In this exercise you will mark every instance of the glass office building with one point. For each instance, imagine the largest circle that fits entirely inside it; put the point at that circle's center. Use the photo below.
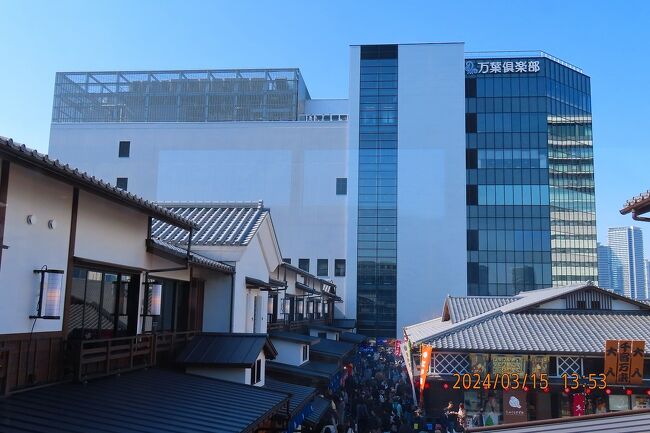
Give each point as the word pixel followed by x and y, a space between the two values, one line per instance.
pixel 377 214
pixel 530 181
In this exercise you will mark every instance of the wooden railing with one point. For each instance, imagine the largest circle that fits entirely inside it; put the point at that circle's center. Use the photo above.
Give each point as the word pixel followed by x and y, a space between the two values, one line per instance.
pixel 110 356
pixel 296 324
pixel 28 361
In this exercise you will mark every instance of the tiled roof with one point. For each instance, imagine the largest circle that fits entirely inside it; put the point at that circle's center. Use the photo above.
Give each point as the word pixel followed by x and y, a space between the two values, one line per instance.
pixel 219 223
pixel 194 258
pixel 53 167
pixel 461 308
pixel 546 332
pixel 145 401
pixel 345 323
pixel 630 421
pixel 226 350
pixel 638 204
pixel 520 327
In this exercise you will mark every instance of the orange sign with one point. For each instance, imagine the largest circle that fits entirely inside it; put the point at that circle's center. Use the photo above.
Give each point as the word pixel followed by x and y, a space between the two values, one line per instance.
pixel 636 365
pixel 425 362
pixel 611 360
pixel 624 361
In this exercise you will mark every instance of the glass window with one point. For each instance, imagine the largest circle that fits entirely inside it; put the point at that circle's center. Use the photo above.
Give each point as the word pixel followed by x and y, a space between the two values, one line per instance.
pixel 122 183
pixel 339 267
pixel 322 267
pixel 341 186
pixel 124 149
pixel 303 264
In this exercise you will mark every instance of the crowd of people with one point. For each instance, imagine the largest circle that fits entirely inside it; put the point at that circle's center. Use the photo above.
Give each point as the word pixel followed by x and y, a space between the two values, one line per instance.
pixel 377 397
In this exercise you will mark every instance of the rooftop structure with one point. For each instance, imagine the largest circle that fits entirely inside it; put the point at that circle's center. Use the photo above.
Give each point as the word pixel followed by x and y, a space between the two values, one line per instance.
pixel 179 96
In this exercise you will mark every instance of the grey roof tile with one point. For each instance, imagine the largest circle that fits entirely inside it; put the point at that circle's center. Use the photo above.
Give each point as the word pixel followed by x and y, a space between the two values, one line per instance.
pixel 219 223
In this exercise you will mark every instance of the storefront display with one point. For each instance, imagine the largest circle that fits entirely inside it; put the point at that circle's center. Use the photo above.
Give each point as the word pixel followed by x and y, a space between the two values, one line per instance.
pixel 619 402
pixel 640 401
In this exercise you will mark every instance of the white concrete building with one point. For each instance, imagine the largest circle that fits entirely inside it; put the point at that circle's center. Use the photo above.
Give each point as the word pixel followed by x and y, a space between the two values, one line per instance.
pixel 329 169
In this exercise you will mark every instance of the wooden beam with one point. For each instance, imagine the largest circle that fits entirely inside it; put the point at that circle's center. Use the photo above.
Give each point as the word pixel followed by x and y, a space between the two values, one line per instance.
pixel 68 277
pixel 4 189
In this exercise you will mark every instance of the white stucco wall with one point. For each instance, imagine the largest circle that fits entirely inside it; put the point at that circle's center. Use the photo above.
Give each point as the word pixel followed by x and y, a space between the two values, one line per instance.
pixel 289 352
pixel 32 246
pixel 292 166
pixel 431 223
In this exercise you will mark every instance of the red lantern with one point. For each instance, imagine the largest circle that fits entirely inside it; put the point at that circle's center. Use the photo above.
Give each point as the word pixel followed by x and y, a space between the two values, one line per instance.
pixel 445 386
pixel 628 391
pixel 608 391
pixel 547 389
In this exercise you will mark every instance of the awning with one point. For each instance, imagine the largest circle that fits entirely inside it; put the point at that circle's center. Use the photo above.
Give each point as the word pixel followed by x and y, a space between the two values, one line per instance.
pixel 147 400
pixel 321 327
pixel 319 408
pixel 352 337
pixel 310 370
pixel 294 337
pixel 299 395
pixel 332 348
pixel 250 281
pixel 306 288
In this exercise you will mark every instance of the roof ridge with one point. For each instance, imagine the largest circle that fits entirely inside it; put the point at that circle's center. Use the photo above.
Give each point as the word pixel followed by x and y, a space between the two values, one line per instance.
pixel 212 203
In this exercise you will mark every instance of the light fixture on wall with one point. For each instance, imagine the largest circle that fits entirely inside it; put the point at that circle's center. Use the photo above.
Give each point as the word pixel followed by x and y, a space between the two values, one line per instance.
pixel 310 307
pixel 301 306
pixel 156 299
pixel 270 305
pixel 287 305
pixel 48 285
pixel 320 308
pixel 326 308
pixel 154 295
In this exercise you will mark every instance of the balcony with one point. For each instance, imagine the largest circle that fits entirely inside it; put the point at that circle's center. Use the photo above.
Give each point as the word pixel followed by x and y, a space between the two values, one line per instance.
pixel 105 357
pixel 296 323
pixel 27 363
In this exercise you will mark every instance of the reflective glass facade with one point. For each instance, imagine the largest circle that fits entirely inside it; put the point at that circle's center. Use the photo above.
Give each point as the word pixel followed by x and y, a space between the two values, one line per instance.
pixel 179 96
pixel 530 181
pixel 377 223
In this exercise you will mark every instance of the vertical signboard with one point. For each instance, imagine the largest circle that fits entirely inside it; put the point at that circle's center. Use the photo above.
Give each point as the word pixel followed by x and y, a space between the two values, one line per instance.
pixel 624 361
pixel 636 364
pixel 578 407
pixel 611 360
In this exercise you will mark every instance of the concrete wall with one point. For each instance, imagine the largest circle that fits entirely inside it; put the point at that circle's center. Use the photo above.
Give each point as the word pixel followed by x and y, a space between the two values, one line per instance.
pixel 32 246
pixel 292 166
pixel 431 230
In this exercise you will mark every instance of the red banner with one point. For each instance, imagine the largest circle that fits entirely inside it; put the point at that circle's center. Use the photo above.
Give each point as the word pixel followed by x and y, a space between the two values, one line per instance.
pixel 578 404
pixel 398 348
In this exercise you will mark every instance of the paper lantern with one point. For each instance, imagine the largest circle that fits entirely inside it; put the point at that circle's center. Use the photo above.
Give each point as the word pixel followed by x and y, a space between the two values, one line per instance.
pixel 48 285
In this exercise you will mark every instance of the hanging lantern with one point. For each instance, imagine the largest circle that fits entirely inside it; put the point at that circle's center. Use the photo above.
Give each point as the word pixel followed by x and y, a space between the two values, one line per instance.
pixel 326 308
pixel 301 306
pixel 48 285
pixel 270 306
pixel 310 307
pixel 155 298
pixel 287 305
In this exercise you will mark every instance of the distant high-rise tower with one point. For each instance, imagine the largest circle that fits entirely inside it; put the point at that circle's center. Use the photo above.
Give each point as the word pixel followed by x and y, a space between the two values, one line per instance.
pixel 628 272
pixel 646 267
pixel 605 266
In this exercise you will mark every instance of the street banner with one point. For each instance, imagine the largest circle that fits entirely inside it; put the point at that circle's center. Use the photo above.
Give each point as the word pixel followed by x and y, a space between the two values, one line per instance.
pixel 578 408
pixel 425 362
pixel 509 364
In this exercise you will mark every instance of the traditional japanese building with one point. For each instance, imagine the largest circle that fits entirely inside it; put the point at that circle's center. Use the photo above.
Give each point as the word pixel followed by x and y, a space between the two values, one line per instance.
pixel 537 355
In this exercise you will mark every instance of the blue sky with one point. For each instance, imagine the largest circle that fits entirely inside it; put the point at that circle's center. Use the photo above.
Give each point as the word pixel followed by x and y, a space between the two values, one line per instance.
pixel 608 40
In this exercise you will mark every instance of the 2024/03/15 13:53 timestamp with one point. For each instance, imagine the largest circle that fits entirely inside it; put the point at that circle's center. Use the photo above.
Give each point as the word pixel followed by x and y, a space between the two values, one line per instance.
pixel 526 381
